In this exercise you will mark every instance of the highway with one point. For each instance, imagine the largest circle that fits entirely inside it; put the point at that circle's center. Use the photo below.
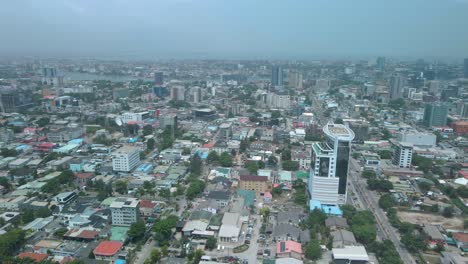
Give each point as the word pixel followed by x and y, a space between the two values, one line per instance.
pixel 369 199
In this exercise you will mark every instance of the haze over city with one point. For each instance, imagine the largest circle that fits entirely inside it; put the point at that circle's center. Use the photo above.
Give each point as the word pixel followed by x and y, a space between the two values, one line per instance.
pixel 272 29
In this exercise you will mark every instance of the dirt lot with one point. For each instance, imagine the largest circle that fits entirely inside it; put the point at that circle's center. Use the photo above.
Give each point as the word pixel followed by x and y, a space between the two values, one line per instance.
pixel 421 218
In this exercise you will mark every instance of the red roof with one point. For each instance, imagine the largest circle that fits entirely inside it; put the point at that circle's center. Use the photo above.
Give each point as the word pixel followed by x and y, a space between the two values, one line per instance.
pixel 464 165
pixel 108 248
pixel 253 178
pixel 85 175
pixel 83 234
pixel 461 237
pixel 37 257
pixel 288 246
pixel 463 173
pixel 208 145
pixel 46 145
pixel 147 204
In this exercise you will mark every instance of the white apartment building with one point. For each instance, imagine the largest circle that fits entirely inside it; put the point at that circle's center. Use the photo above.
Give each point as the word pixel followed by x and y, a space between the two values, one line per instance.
pixel 420 139
pixel 330 161
pixel 403 155
pixel 125 211
pixel 135 117
pixel 281 101
pixel 125 159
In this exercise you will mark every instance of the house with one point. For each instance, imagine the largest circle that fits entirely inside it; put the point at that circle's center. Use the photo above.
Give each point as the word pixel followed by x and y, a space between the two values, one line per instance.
pixel 292 216
pixel 255 183
pixel 107 250
pixel 147 208
pixel 83 178
pixel 343 238
pixel 287 232
pixel 36 257
pixel 434 234
pixel 230 227
pixel 461 239
pixel 81 234
pixel 335 223
pixel 289 249
pixel 222 198
pixel 350 254
pixel 285 178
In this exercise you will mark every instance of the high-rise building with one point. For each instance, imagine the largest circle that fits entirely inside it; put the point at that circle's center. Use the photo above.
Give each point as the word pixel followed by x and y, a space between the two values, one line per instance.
pixel 381 63
pixel 435 115
pixel 125 211
pixel 330 161
pixel 397 82
pixel 276 76
pixel 196 95
pixel 125 159
pixel 295 80
pixel 403 155
pixel 281 101
pixel 178 93
pixel 50 77
pixel 158 78
pixel 168 120
pixel 465 68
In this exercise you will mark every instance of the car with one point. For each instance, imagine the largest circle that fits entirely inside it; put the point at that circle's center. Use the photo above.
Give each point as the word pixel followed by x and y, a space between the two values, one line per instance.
pixel 247 242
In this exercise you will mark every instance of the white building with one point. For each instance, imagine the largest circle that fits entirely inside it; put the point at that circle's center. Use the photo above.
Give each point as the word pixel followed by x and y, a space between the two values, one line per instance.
pixel 403 155
pixel 418 139
pixel 330 160
pixel 125 211
pixel 125 159
pixel 281 101
pixel 135 117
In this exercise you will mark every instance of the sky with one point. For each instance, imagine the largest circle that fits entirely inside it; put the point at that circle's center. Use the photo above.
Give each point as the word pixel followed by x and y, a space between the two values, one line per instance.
pixel 235 29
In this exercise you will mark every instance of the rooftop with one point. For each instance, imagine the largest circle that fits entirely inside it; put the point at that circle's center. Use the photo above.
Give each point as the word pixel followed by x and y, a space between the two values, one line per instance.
pixel 108 248
pixel 253 178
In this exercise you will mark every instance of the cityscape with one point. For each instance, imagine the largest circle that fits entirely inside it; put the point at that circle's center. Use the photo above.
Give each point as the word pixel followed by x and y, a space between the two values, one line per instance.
pixel 217 159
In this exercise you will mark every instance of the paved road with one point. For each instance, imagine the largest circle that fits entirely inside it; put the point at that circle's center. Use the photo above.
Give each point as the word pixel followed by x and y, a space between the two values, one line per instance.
pixel 144 253
pixel 369 199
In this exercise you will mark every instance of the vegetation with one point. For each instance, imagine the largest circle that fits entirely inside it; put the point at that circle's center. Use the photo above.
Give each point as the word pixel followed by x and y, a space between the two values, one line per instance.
pixel 121 187
pixel 10 242
pixel 137 231
pixel 313 251
pixel 211 243
pixel 163 229
pixel 385 154
pixel 195 165
pixel 386 201
pixel 225 159
pixel 240 249
pixel 195 188
pixel 290 165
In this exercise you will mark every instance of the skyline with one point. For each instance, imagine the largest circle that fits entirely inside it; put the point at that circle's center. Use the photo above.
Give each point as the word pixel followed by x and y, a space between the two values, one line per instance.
pixel 207 29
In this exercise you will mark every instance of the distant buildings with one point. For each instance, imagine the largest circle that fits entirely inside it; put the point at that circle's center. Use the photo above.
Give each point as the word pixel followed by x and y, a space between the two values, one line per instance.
pixel 178 93
pixel 168 120
pixel 295 80
pixel 435 115
pixel 196 95
pixel 135 117
pixel 403 155
pixel 381 63
pixel 125 211
pixel 158 78
pixel 276 76
pixel 50 77
pixel 14 100
pixel 125 159
pixel 330 161
pixel 281 101
pixel 397 82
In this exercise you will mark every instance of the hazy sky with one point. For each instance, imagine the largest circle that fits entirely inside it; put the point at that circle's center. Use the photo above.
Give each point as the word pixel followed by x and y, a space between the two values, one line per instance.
pixel 235 28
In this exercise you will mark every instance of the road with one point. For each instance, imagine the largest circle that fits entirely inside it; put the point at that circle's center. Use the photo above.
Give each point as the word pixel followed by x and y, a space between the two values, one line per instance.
pixel 369 199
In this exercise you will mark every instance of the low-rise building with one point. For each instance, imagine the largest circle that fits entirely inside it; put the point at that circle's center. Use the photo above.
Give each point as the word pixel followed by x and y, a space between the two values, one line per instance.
pixel 255 183
pixel 125 211
pixel 289 249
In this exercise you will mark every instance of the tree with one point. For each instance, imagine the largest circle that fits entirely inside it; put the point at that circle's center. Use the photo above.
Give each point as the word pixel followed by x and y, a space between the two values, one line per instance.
pixel 413 242
pixel 434 208
pixel 290 165
pixel 265 213
pixel 10 242
pixel 211 243
pixel 368 174
pixel 225 159
pixel 277 191
pixel 150 144
pixel 386 134
pixel 423 164
pixel 424 186
pixel 5 183
pixel 300 198
pixel 165 193
pixel 364 233
pixel 448 211
pixel 147 130
pixel 195 165
pixel 137 231
pixel 286 154
pixel 61 232
pixel 155 255
pixel 252 167
pixel 385 154
pixel 313 251
pixel 275 114
pixel 463 191
pixel 8 152
pixel 379 185
pixel 195 188
pixel 272 161
pixel 386 201
pixel 163 229
pixel 121 187
pixel 212 157
pixel 396 104
pixel 244 144
pixel 43 121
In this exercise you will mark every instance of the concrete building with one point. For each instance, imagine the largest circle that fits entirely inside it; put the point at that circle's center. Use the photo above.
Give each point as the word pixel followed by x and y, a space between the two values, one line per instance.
pixel 403 155
pixel 281 101
pixel 125 211
pixel 276 76
pixel 168 120
pixel 177 93
pixel 135 117
pixel 158 78
pixel 196 95
pixel 295 80
pixel 330 161
pixel 125 159
pixel 255 183
pixel 397 82
pixel 418 139
pixel 435 115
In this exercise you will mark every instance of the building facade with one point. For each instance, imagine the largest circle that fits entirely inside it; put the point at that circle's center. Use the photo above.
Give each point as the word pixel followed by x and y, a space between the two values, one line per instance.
pixel 259 184
pixel 397 82
pixel 435 115
pixel 125 211
pixel 125 159
pixel 330 162
pixel 276 76
pixel 403 155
